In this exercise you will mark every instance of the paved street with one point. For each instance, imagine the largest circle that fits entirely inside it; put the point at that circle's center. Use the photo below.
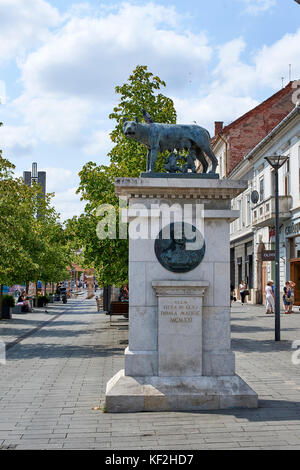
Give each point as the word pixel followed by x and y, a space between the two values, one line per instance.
pixel 56 375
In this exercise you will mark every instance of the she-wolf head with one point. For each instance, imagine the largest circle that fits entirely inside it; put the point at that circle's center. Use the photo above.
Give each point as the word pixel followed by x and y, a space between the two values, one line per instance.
pixel 130 128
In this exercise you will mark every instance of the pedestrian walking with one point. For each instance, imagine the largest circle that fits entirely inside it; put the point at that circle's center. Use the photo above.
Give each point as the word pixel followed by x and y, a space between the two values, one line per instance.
pixel 286 297
pixel 242 289
pixel 270 304
pixel 232 297
pixel 273 290
pixel 292 296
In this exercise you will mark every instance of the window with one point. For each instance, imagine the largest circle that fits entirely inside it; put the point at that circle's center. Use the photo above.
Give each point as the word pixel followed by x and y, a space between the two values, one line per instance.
pixel 241 215
pixel 287 178
pixel 262 189
pixel 248 210
pixel 272 183
pixel 299 168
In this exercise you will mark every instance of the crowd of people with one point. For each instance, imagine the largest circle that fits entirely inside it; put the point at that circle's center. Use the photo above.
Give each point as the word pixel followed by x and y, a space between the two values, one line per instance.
pixel 288 296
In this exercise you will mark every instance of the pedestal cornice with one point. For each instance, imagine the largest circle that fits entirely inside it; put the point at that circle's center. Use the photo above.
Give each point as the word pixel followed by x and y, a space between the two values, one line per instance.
pixel 181 188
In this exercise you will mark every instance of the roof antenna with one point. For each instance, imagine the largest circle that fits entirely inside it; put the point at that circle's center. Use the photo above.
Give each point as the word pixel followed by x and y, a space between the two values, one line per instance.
pixel 282 79
pixel 290 72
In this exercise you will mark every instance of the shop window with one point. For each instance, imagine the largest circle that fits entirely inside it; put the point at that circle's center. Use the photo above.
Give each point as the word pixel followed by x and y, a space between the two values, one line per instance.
pixel 295 247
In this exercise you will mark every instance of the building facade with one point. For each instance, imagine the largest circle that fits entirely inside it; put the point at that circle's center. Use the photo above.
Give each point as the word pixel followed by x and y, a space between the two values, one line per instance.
pixel 232 142
pixel 35 176
pixel 253 234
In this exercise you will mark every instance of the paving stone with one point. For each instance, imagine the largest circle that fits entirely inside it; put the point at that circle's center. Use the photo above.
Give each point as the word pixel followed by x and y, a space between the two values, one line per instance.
pixel 55 377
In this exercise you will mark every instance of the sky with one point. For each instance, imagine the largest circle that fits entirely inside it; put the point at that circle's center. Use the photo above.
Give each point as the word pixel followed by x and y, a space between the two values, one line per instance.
pixel 60 61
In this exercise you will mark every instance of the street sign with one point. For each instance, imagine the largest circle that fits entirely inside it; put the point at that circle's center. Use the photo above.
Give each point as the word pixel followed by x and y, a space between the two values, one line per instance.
pixel 268 255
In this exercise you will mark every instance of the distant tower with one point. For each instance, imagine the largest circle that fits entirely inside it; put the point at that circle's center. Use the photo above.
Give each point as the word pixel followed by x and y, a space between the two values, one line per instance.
pixel 35 176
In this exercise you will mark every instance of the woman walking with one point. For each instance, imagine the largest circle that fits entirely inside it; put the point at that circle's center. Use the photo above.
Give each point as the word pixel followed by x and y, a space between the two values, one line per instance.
pixel 242 289
pixel 270 306
pixel 286 297
pixel 292 296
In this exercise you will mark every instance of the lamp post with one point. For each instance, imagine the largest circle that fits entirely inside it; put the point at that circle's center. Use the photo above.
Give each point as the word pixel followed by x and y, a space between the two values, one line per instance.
pixel 276 162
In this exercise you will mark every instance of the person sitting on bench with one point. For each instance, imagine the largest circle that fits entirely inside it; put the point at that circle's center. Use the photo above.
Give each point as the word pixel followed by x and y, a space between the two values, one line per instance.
pixel 22 300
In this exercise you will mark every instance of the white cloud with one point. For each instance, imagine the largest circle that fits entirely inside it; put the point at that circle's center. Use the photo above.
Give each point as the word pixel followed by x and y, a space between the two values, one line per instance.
pixel 17 141
pixel 214 107
pixel 99 143
pixel 68 203
pixel 2 92
pixel 272 61
pixel 58 178
pixel 23 24
pixel 90 55
pixel 54 120
pixel 232 75
pixel 70 79
pixel 254 7
pixel 228 96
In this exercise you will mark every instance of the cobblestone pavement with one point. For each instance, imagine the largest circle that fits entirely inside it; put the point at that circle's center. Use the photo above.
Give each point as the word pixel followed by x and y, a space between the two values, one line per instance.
pixel 55 376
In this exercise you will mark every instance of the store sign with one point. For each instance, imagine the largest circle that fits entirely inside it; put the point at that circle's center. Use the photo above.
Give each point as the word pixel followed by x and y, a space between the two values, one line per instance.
pixel 272 233
pixel 293 229
pixel 268 255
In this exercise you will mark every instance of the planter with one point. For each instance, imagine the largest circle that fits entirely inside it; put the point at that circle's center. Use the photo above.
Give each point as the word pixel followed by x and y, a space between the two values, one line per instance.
pixel 40 303
pixel 6 313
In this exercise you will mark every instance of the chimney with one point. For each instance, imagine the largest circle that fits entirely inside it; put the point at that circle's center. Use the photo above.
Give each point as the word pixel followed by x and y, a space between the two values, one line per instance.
pixel 218 127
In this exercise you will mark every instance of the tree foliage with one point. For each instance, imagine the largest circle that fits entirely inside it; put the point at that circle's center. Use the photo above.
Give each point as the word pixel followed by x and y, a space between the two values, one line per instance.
pixel 127 159
pixel 33 245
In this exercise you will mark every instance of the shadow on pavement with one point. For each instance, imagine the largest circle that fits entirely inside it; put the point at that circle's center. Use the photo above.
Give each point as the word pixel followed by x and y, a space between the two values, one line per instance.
pixel 259 345
pixel 46 351
pixel 256 329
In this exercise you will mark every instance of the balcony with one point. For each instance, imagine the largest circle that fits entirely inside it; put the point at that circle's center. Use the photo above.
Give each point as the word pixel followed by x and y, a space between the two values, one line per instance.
pixel 263 214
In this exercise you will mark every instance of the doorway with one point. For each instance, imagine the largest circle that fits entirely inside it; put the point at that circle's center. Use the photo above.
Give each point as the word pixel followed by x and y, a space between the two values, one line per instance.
pixel 295 276
pixel 264 282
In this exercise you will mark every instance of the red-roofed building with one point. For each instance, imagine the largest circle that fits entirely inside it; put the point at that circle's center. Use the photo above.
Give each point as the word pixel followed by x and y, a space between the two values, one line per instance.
pixel 231 143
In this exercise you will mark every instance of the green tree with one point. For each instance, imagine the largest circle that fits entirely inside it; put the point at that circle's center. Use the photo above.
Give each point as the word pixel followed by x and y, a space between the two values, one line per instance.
pixel 127 159
pixel 31 247
pixel 50 249
pixel 16 227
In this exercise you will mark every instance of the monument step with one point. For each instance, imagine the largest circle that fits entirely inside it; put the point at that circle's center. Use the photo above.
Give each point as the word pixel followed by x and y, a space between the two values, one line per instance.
pixel 137 394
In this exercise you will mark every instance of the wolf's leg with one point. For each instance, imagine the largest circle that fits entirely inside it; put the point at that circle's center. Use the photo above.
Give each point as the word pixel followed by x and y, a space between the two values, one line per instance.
pixel 213 158
pixel 202 160
pixel 153 158
pixel 148 161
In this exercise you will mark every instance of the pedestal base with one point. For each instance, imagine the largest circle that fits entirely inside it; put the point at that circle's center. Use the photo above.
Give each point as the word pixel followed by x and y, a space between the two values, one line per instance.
pixel 126 394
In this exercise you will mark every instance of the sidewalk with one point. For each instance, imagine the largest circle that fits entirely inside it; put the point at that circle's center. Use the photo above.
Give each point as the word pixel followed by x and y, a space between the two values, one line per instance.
pixel 23 323
pixel 55 378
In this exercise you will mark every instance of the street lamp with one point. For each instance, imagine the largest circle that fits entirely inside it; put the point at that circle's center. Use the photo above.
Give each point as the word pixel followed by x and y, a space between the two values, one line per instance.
pixel 276 162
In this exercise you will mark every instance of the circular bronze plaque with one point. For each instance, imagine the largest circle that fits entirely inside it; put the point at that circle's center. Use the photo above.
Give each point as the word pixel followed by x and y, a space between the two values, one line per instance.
pixel 179 247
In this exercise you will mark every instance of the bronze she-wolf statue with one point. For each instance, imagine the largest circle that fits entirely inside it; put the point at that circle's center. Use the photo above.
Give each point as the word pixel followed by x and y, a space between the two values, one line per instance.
pixel 159 137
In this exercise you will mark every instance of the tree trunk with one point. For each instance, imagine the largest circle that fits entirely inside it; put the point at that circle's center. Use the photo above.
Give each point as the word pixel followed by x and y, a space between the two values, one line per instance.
pixel 45 289
pixel 27 287
pixel 1 296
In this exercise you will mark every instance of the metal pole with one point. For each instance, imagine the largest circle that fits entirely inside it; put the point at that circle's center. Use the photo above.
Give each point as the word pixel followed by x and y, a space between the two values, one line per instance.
pixel 277 261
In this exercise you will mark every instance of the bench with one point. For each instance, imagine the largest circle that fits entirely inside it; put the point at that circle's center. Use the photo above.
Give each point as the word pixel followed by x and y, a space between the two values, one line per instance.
pixel 17 309
pixel 118 308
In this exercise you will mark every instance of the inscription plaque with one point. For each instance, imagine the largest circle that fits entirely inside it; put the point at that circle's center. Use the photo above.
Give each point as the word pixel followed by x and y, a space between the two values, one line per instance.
pixel 180 336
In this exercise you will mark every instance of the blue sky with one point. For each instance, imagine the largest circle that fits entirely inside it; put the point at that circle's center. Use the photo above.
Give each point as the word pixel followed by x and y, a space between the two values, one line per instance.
pixel 61 59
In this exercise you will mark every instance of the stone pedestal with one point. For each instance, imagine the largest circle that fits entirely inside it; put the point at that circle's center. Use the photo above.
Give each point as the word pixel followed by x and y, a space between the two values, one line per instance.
pixel 179 355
